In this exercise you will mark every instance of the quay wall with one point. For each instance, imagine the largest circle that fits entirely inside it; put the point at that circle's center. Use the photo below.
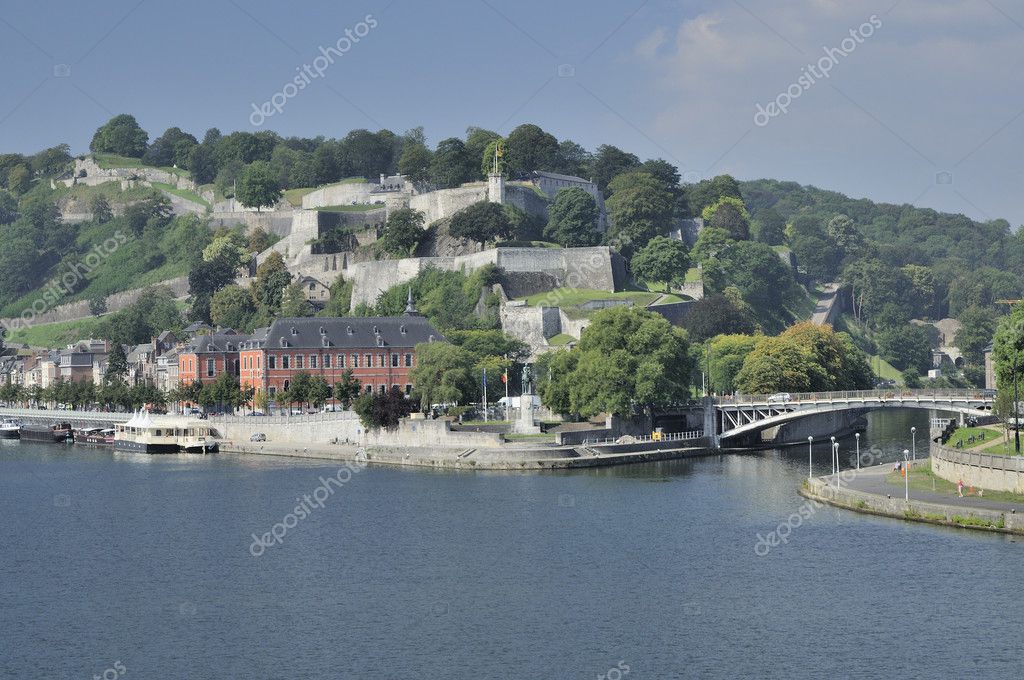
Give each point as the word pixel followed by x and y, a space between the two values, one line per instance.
pixel 982 470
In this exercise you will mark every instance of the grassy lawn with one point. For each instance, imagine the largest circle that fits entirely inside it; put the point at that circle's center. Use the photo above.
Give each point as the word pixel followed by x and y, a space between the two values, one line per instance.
pixel 999 446
pixel 109 161
pixel 181 193
pixel 294 196
pixel 54 335
pixel 560 340
pixel 358 207
pixel 573 297
pixel 965 433
pixel 922 479
pixel 352 180
pixel 693 275
pixel 884 369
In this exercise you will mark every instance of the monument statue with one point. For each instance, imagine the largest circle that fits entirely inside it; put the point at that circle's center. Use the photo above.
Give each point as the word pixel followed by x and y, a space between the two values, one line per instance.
pixel 527 379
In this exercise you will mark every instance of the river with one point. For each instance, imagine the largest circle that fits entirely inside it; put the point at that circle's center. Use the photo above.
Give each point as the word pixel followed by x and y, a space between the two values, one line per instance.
pixel 145 567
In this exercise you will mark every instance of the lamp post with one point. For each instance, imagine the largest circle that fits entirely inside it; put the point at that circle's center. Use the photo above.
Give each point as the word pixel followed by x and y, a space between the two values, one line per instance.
pixel 834 455
pixel 906 475
pixel 913 435
pixel 810 456
pixel 1016 403
pixel 857 437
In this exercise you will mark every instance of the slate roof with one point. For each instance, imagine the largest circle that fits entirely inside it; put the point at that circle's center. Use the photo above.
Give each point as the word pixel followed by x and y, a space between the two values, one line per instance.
pixel 218 342
pixel 349 332
pixel 565 178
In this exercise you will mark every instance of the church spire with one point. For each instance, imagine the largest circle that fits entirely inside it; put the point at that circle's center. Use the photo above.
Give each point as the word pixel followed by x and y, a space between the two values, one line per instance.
pixel 410 309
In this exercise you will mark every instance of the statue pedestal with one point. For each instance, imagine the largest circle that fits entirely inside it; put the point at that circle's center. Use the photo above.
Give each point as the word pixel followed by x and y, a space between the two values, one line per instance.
pixel 526 424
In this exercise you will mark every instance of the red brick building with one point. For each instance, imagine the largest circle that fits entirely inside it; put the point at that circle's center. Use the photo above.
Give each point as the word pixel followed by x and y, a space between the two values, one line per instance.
pixel 380 351
pixel 207 356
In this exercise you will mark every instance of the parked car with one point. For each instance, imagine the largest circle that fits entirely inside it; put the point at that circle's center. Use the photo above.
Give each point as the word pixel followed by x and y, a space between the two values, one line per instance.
pixel 257 437
pixel 780 398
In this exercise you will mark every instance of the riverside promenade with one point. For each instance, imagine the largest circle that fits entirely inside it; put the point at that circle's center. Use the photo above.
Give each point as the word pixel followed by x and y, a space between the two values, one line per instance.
pixel 869 491
pixel 521 457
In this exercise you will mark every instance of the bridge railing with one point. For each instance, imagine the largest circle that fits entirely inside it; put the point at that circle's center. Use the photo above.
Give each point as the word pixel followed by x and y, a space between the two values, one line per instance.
pixel 893 393
pixel 642 439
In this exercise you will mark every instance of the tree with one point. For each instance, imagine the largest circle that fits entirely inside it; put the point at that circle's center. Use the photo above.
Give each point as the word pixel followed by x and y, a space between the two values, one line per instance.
pixel 629 360
pixel 708 192
pixel 482 222
pixel 415 162
pixel 272 277
pixel 347 389
pixel 173 147
pixel 529 148
pixel 640 209
pixel 98 305
pixel 442 374
pixel 719 314
pixel 730 214
pixel 19 179
pixel 724 359
pixel 117 365
pixel 845 367
pixel 609 162
pixel 294 302
pixel 572 219
pixel 977 330
pixel 477 141
pixel 120 135
pixel 382 411
pixel 232 307
pixel 340 301
pixel 402 232
pixel 909 346
pixel 844 234
pixel 318 391
pixel 100 209
pixel 258 188
pixel 661 260
pixel 452 164
pixel 769 227
pixel 779 365
pixel 761 277
pixel 1008 350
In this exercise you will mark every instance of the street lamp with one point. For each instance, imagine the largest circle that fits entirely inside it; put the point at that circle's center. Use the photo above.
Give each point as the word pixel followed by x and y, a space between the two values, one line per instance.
pixel 810 455
pixel 906 475
pixel 913 434
pixel 857 437
pixel 833 455
pixel 835 458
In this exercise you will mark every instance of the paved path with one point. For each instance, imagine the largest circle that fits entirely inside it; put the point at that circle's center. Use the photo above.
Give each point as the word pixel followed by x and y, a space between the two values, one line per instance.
pixel 872 480
pixel 826 300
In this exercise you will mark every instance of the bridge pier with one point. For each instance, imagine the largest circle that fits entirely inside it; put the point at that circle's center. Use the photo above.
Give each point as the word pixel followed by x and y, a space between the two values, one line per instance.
pixel 710 426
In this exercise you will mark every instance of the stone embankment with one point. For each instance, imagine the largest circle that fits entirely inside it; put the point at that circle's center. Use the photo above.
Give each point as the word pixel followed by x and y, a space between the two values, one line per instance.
pixel 866 491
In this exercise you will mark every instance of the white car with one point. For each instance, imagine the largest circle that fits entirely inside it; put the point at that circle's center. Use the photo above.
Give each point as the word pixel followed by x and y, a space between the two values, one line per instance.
pixel 780 398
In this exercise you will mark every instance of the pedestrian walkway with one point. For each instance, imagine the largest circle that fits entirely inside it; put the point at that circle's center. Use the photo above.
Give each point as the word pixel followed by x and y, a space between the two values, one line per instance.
pixel 872 480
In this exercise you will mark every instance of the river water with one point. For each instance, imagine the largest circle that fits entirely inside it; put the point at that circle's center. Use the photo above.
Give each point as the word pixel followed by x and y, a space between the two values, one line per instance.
pixel 146 564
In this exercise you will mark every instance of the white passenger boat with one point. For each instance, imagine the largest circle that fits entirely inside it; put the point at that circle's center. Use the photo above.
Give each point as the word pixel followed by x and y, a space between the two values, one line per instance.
pixel 145 433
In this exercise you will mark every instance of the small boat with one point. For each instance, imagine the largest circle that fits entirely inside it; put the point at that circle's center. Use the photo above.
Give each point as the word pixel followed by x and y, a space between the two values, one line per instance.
pixel 59 432
pixel 95 436
pixel 145 434
pixel 10 430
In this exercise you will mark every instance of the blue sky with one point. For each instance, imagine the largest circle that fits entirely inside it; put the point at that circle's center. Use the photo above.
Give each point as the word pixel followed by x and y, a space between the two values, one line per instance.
pixel 927 109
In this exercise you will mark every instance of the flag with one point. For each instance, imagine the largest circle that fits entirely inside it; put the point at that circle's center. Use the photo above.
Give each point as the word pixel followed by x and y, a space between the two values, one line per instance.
pixel 485 378
pixel 504 377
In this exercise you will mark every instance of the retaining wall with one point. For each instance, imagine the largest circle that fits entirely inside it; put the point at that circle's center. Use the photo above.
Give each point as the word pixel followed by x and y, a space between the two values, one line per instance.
pixel 983 470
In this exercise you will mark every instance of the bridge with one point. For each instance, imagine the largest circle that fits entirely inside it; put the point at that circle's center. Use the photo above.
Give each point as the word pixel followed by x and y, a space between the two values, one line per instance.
pixel 732 417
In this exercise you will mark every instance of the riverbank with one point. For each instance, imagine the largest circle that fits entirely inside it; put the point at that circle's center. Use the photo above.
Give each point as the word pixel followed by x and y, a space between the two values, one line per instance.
pixel 519 458
pixel 868 491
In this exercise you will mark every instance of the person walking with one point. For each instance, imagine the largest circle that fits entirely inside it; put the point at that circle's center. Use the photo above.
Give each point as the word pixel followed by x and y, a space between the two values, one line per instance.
pixel 960 488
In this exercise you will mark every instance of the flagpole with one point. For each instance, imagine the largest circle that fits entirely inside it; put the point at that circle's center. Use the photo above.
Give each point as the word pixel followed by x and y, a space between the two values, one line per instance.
pixel 485 395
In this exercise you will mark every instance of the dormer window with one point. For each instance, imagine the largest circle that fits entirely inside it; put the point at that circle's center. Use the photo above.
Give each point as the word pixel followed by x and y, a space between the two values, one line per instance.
pixel 294 331
pixel 323 331
pixel 376 331
pixel 284 343
pixel 325 341
pixel 380 341
pixel 348 330
pixel 209 348
pixel 402 329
